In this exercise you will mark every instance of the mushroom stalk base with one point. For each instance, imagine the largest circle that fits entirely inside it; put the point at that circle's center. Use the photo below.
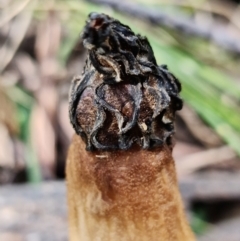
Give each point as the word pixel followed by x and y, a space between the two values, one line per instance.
pixel 124 195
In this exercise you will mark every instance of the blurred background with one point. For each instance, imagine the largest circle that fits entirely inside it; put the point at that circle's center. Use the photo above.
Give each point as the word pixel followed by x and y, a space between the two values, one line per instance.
pixel 40 52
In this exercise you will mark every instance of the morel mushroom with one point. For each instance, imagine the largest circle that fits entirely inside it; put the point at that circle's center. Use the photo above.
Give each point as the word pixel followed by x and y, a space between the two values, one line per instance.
pixel 123 97
pixel 123 186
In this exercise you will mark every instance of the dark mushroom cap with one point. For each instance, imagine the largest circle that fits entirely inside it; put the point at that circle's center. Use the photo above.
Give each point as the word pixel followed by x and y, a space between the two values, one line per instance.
pixel 123 98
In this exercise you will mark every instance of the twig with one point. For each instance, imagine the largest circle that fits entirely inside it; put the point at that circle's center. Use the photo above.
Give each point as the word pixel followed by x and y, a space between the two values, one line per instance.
pixel 218 186
pixel 226 10
pixel 198 128
pixel 180 23
pixel 203 159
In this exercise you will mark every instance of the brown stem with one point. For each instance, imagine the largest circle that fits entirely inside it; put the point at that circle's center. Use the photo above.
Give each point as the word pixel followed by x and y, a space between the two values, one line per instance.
pixel 124 195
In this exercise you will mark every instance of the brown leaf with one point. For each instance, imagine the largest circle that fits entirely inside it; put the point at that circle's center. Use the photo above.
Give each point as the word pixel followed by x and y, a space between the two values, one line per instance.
pixel 29 71
pixel 64 122
pixel 44 140
pixel 48 37
pixel 47 97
